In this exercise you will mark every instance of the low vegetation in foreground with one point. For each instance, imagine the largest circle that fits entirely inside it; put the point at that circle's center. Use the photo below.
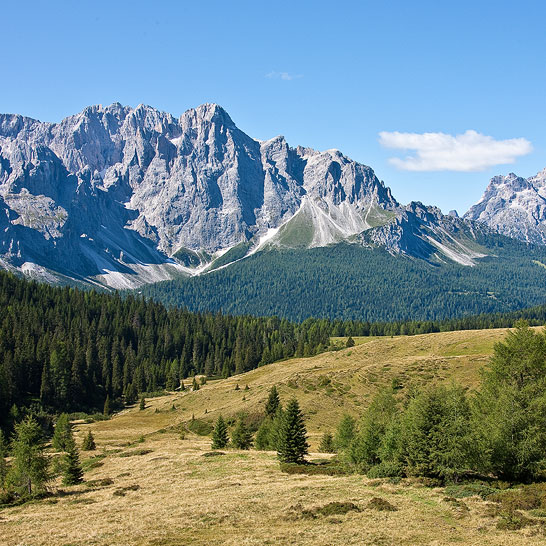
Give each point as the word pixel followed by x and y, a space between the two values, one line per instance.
pixel 151 475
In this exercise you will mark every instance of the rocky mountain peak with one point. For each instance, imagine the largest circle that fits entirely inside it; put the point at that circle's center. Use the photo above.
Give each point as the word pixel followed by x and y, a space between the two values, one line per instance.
pixel 122 196
pixel 514 206
pixel 208 112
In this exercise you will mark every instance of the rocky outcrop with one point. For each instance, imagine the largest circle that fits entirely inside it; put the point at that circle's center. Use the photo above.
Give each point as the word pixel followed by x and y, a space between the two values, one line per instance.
pixel 424 232
pixel 122 196
pixel 514 206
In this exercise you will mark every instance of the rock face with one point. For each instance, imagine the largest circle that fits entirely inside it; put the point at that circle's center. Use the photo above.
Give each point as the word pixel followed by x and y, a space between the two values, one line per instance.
pixel 121 196
pixel 425 233
pixel 515 207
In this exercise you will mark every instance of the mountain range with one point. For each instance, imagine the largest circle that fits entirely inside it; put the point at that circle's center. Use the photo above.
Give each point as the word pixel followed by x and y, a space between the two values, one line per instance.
pixel 121 197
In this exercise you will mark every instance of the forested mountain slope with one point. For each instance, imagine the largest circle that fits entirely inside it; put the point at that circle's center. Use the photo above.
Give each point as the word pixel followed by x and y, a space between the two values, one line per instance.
pixel 63 349
pixel 347 281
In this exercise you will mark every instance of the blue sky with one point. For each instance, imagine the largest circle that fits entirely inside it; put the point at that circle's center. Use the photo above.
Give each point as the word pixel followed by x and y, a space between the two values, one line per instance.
pixel 323 74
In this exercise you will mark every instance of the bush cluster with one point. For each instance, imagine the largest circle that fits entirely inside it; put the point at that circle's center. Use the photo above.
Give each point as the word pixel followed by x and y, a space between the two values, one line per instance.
pixel 447 433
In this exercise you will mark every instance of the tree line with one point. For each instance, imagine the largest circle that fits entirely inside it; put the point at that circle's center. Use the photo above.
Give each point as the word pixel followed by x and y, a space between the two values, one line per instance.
pixel 64 349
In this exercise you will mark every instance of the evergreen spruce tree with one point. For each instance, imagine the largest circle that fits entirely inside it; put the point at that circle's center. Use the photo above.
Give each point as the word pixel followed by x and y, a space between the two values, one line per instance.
pixel 88 443
pixel 292 446
pixel 363 450
pixel 106 409
pixel 435 435
pixel 72 471
pixel 350 342
pixel 131 394
pixel 275 430
pixel 220 434
pixel 61 433
pixel 272 403
pixel 241 437
pixel 510 409
pixel 327 443
pixel 263 436
pixel 30 468
pixel 3 463
pixel 142 405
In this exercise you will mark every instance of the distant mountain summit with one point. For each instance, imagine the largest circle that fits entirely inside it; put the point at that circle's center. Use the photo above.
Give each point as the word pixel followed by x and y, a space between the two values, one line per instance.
pixel 124 196
pixel 514 206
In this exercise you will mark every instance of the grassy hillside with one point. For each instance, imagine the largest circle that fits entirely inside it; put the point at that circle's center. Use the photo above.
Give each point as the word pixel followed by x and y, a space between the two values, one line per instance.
pixel 146 485
pixel 326 385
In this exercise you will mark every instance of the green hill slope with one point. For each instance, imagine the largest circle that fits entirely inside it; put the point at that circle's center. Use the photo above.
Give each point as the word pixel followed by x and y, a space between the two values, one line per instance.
pixel 352 282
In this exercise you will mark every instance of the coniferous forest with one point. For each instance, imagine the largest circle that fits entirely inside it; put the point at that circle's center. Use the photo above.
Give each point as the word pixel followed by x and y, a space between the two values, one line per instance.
pixel 64 349
pixel 357 283
pixel 67 350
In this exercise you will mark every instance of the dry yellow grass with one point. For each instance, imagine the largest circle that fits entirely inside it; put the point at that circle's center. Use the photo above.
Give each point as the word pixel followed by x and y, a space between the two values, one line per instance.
pixel 331 383
pixel 238 498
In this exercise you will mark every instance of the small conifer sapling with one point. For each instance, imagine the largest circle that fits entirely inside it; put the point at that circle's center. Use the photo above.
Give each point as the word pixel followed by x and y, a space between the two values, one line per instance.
pixel 73 473
pixel 88 443
pixel 241 437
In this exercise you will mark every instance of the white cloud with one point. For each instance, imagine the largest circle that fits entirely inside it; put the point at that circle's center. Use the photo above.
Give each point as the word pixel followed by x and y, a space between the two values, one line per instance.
pixel 283 76
pixel 470 151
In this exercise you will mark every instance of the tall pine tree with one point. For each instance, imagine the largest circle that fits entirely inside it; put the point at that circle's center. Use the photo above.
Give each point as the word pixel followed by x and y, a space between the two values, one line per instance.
pixel 30 468
pixel 61 435
pixel 292 445
pixel 72 471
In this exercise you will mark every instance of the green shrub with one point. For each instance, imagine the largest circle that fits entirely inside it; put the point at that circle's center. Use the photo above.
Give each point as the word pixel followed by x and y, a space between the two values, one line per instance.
pixel 464 490
pixel 135 453
pixel 93 462
pixel 382 505
pixel 512 521
pixel 103 482
pixel 199 427
pixel 527 497
pixel 122 491
pixel 331 509
pixel 386 469
pixel 313 470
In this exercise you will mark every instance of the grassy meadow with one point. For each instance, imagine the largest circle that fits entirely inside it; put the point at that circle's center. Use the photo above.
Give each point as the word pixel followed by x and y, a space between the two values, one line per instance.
pixel 147 485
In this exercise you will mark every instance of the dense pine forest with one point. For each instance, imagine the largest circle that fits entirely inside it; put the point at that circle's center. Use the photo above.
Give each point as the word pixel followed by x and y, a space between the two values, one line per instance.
pixel 357 283
pixel 64 349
